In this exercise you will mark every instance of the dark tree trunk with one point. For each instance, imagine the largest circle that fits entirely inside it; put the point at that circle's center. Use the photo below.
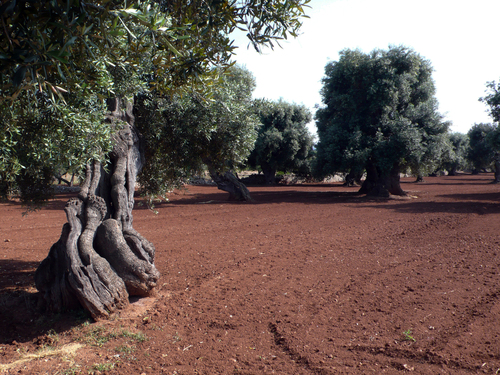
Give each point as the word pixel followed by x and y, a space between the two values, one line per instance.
pixel 420 178
pixel 372 177
pixel 229 182
pixel 379 184
pixel 353 178
pixel 269 175
pixel 100 259
pixel 497 168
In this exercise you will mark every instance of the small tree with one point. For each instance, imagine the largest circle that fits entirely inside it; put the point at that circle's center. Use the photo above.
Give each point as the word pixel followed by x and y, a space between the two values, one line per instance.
pixel 283 142
pixel 481 151
pixel 493 101
pixel 435 148
pixel 455 153
pixel 380 114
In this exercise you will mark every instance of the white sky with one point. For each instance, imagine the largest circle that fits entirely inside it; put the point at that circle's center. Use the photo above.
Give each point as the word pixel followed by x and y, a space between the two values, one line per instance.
pixel 459 37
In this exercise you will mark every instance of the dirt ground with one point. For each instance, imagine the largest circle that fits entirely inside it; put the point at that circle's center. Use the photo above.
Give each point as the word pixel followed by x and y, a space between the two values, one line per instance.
pixel 307 279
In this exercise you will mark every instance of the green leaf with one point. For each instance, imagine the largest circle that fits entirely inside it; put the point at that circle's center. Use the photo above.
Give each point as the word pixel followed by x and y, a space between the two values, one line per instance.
pixel 57 55
pixel 69 43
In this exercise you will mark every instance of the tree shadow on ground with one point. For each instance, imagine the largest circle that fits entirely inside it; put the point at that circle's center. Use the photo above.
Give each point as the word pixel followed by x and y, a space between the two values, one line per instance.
pixel 447 183
pixel 57 203
pixel 20 318
pixel 458 179
pixel 16 274
pixel 458 204
pixel 292 195
pixel 480 203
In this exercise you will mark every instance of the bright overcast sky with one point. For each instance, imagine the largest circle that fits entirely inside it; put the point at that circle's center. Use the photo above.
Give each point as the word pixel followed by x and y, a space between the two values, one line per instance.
pixel 460 38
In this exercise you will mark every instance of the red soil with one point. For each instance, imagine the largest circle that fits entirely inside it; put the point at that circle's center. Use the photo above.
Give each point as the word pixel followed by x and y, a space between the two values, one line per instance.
pixel 307 279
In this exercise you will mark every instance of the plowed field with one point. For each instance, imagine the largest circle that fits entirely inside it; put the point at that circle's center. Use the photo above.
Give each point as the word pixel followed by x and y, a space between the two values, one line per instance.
pixel 307 279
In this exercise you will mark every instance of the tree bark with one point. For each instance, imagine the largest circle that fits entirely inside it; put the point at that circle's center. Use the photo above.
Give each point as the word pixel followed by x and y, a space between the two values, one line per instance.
pixel 380 184
pixel 269 175
pixel 353 178
pixel 496 160
pixel 100 259
pixel 229 182
pixel 372 177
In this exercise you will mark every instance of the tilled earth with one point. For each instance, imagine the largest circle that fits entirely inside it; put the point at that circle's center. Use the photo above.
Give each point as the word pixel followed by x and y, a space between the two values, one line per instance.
pixel 307 279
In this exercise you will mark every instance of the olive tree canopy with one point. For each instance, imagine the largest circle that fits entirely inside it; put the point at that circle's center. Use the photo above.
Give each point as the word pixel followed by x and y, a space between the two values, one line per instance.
pixel 283 141
pixel 61 59
pixel 186 134
pixel 379 114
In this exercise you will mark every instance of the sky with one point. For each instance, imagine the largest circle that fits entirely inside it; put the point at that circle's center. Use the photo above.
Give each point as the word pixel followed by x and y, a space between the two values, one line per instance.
pixel 458 37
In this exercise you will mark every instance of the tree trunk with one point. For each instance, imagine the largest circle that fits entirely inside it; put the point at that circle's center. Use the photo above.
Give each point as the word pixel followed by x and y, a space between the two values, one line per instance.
pixel 353 178
pixel 230 183
pixel 100 259
pixel 371 179
pixel 269 175
pixel 496 160
pixel 380 184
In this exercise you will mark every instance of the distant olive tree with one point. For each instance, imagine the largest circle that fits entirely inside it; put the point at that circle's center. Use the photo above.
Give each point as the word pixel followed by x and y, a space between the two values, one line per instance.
pixel 455 152
pixel 492 99
pixel 283 142
pixel 379 114
pixel 481 151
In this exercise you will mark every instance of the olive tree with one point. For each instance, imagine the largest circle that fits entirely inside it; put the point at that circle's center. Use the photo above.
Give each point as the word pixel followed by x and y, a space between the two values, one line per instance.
pixel 455 153
pixel 481 151
pixel 187 133
pixel 90 60
pixel 283 141
pixel 492 99
pixel 379 114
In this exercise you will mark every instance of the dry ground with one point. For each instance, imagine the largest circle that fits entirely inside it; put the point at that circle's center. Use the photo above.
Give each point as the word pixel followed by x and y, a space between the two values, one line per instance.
pixel 307 279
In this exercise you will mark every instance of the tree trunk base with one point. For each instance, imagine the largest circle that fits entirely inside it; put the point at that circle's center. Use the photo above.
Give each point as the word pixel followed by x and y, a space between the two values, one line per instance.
pixel 382 185
pixel 100 259
pixel 228 182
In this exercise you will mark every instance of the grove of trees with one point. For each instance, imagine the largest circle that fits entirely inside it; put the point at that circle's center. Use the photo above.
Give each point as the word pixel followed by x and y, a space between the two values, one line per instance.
pixel 127 92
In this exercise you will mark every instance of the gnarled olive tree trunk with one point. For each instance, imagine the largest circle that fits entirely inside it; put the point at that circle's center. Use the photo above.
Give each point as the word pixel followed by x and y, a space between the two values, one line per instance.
pixel 380 184
pixel 227 181
pixel 100 259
